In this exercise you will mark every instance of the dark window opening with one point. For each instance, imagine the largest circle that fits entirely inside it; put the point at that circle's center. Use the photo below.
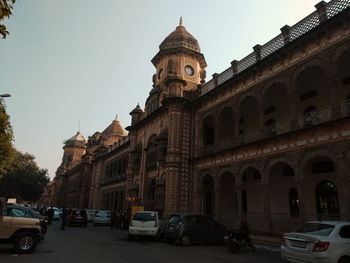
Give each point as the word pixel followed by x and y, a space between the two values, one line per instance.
pixel 308 95
pixel 241 121
pixel 293 202
pixel 288 171
pixel 346 80
pixel 327 202
pixel 323 167
pixel 244 178
pixel 257 175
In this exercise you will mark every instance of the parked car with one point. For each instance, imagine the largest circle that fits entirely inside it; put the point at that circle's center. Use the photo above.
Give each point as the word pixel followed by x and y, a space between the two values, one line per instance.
pixel 90 214
pixel 186 228
pixel 21 231
pixel 146 223
pixel 57 212
pixel 102 217
pixel 318 241
pixel 76 218
pixel 23 211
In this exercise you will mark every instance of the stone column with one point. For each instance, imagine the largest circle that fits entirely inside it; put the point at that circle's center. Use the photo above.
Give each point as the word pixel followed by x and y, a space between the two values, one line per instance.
pixel 217 196
pixel 267 223
pixel 239 213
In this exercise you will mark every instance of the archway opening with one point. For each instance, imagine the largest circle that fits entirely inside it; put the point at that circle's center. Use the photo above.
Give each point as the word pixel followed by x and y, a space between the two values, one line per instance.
pixel 208 196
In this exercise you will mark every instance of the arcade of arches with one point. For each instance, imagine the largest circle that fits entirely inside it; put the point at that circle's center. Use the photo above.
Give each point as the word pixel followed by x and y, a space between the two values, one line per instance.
pixel 278 195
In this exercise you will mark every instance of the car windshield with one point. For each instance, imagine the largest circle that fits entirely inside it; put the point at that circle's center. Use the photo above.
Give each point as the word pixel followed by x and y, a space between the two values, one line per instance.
pixel 175 219
pixel 319 229
pixel 145 217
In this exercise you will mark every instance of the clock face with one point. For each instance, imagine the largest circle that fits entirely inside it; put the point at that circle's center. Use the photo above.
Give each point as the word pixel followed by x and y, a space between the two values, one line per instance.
pixel 189 70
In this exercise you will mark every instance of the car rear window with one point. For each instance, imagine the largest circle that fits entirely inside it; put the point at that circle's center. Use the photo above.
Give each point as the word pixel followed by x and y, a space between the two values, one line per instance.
pixel 145 217
pixel 175 219
pixel 103 213
pixel 319 229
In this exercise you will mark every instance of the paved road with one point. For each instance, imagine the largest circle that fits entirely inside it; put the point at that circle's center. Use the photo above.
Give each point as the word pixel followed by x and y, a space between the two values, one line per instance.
pixel 101 244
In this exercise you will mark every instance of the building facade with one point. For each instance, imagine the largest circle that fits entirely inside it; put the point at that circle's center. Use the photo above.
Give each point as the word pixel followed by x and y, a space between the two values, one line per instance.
pixel 266 141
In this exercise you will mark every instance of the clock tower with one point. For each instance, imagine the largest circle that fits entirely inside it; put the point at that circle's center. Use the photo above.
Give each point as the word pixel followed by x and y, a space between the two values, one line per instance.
pixel 179 59
pixel 180 71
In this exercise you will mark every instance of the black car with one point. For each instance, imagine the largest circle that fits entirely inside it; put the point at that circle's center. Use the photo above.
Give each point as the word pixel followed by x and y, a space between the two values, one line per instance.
pixel 22 211
pixel 185 228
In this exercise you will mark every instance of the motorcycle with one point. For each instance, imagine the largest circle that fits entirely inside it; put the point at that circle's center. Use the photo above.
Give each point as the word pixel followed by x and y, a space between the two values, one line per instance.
pixel 238 240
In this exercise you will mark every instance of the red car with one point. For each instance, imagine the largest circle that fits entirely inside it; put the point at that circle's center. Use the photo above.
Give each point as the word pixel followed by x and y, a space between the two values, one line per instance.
pixel 77 217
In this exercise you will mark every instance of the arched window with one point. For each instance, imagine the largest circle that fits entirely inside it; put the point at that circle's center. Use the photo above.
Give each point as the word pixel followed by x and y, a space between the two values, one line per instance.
pixel 311 116
pixel 208 131
pixel 293 202
pixel 327 202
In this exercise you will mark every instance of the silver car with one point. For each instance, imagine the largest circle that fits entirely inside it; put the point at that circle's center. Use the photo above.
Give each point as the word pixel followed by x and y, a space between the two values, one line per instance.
pixel 318 241
pixel 102 217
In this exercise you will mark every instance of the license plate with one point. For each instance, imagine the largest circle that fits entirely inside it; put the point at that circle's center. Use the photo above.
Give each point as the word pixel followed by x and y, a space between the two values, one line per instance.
pixel 299 244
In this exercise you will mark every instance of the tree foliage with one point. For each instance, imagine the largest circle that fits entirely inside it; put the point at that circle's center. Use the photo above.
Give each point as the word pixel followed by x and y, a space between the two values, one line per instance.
pixel 6 7
pixel 24 180
pixel 6 137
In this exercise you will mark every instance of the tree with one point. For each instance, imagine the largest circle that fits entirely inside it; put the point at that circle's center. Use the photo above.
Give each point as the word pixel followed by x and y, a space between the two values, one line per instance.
pixel 6 137
pixel 6 7
pixel 24 180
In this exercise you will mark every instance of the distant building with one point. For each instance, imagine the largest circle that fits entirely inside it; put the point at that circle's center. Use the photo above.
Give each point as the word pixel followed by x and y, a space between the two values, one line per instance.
pixel 47 194
pixel 266 141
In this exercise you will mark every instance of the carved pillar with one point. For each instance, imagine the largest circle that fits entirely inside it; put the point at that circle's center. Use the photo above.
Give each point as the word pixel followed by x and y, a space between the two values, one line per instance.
pixel 234 65
pixel 286 34
pixel 257 51
pixel 321 11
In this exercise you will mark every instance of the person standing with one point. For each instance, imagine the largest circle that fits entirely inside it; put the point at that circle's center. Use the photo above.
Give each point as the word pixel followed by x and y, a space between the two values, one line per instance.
pixel 64 218
pixel 50 215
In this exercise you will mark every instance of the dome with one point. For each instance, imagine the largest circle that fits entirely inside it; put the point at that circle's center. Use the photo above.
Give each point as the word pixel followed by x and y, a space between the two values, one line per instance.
pixel 180 38
pixel 114 128
pixel 77 140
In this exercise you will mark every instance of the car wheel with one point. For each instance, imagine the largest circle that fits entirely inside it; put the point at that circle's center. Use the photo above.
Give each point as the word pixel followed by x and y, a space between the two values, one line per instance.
pixel 25 242
pixel 345 260
pixel 185 240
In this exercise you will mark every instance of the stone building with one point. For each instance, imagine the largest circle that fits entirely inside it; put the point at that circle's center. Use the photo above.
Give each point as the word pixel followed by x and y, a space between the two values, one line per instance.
pixel 266 141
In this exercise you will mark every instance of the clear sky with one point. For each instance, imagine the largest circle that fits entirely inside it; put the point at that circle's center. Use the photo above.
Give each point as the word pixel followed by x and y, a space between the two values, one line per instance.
pixel 85 61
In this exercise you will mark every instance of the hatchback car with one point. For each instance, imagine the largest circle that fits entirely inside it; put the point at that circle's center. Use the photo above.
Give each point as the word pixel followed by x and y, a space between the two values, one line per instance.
pixel 315 241
pixel 76 218
pixel 186 228
pixel 102 217
pixel 146 223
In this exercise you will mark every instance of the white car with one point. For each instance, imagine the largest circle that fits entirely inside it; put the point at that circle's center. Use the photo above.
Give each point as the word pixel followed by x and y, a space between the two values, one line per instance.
pixel 318 241
pixel 146 223
pixel 102 217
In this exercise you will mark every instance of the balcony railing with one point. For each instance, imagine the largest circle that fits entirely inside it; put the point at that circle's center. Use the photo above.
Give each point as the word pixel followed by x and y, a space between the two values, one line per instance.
pixel 310 22
pixel 279 127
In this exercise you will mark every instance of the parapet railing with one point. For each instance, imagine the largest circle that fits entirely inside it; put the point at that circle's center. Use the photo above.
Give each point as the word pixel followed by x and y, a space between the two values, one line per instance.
pixel 324 11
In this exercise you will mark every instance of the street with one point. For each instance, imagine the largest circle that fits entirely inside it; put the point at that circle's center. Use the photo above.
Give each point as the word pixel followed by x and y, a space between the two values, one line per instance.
pixel 101 244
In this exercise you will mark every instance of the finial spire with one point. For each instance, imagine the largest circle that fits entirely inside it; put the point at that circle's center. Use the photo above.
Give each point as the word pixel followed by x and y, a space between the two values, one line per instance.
pixel 79 127
pixel 116 117
pixel 180 24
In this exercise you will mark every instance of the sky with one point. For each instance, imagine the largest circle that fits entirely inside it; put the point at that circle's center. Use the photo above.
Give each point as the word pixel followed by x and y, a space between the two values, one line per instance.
pixel 73 64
